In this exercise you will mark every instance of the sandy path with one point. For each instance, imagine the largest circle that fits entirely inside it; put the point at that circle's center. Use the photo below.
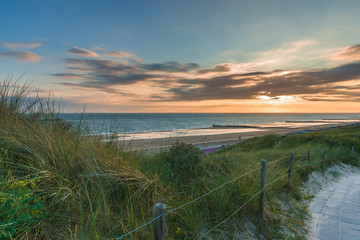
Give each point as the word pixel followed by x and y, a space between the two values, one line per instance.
pixel 335 210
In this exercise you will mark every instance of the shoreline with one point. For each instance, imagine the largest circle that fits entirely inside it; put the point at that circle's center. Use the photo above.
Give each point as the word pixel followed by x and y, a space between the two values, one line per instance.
pixel 221 136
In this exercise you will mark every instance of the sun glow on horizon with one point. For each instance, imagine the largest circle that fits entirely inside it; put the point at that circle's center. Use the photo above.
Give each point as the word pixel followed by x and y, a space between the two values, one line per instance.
pixel 278 100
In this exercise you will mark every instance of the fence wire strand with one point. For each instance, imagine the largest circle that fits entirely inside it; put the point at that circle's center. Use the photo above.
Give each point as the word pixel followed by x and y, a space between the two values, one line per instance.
pixel 237 210
pixel 213 190
pixel 194 200
pixel 209 192
pixel 226 183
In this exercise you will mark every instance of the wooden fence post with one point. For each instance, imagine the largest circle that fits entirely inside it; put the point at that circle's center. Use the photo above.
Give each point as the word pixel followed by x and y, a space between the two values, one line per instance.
pixel 159 223
pixel 290 168
pixel 322 160
pixel 262 187
pixel 338 154
pixel 308 159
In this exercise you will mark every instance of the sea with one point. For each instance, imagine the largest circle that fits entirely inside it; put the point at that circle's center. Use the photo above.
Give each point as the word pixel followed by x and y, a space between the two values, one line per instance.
pixel 109 123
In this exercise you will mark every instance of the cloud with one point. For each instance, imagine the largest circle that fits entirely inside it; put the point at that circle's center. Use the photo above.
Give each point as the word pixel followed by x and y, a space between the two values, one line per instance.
pixel 21 56
pixel 120 55
pixel 290 55
pixel 68 75
pixel 169 67
pixel 97 65
pixel 216 68
pixel 15 45
pixel 82 52
pixel 98 73
pixel 271 84
pixel 351 53
pixel 174 81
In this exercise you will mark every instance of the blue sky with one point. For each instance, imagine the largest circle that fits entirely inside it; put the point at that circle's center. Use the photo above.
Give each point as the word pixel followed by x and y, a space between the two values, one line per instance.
pixel 155 56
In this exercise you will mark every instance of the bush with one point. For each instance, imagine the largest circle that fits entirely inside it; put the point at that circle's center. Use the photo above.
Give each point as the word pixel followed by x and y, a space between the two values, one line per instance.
pixel 20 206
pixel 184 160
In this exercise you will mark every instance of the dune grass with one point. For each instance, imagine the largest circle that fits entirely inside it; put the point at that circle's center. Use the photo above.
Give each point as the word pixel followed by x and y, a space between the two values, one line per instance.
pixel 61 182
pixel 83 183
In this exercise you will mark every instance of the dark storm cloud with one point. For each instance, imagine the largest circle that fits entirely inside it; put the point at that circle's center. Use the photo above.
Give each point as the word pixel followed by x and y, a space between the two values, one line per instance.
pixel 169 67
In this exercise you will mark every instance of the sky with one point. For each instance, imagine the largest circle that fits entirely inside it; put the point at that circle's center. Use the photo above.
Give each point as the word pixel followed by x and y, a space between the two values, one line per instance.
pixel 218 56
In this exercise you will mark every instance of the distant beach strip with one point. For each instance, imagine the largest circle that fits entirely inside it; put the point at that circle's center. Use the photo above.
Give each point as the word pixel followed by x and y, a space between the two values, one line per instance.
pixel 216 137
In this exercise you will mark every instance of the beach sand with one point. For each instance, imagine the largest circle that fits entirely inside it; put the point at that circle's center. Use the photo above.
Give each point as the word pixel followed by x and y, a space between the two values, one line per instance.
pixel 218 136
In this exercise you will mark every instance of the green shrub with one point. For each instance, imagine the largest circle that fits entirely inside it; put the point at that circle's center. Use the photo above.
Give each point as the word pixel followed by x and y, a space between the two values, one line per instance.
pixel 20 206
pixel 184 160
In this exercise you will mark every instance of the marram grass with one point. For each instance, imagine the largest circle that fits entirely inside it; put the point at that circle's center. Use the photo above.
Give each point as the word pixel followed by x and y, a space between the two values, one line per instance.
pixel 84 183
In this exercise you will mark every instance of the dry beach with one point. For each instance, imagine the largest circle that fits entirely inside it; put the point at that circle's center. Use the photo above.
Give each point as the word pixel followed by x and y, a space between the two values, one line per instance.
pixel 223 135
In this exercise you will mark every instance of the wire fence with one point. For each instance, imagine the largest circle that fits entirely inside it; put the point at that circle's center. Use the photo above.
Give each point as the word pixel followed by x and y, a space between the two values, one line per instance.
pixel 288 174
pixel 251 198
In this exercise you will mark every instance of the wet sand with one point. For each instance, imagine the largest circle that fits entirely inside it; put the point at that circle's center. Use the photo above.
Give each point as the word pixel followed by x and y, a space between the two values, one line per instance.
pixel 227 135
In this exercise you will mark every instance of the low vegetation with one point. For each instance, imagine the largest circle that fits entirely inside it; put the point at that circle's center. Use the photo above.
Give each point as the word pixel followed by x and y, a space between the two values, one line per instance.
pixel 59 181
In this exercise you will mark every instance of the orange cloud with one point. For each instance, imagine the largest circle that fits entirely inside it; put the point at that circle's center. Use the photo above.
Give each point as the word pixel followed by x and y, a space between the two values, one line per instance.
pixel 351 53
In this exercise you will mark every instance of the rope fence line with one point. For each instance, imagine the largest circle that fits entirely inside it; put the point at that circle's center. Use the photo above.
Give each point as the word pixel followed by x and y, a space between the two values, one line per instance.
pixel 171 210
pixel 237 210
pixel 198 198
pixel 285 175
pixel 252 197
pixel 192 201
pixel 161 217
pixel 228 182
pixel 213 190
pixel 202 196
pixel 277 160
